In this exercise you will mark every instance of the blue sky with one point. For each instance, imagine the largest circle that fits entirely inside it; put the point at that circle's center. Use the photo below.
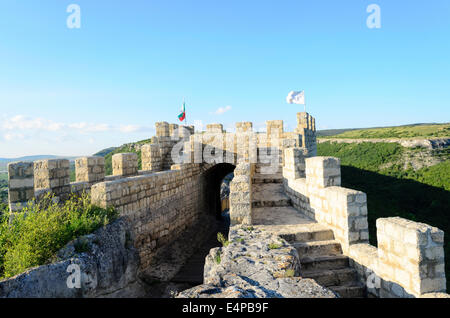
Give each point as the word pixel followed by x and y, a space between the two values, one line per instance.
pixel 75 91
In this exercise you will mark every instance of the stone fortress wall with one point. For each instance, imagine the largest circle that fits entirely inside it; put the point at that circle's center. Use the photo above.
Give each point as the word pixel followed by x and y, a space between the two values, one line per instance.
pixel 163 199
pixel 166 197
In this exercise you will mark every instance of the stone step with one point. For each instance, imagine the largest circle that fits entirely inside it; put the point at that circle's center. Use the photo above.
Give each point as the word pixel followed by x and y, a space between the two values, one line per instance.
pixel 324 262
pixel 259 169
pixel 284 220
pixel 309 234
pixel 269 195
pixel 332 277
pixel 356 291
pixel 317 248
pixel 270 203
pixel 267 178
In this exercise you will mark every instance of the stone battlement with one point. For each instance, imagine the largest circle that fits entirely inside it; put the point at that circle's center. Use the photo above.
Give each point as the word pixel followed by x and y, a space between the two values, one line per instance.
pixel 33 180
pixel 409 260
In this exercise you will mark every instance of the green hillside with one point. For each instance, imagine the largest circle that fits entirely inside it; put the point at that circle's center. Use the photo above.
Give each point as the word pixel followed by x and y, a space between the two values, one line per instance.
pixel 131 147
pixel 104 152
pixel 421 195
pixel 3 189
pixel 408 131
pixel 332 132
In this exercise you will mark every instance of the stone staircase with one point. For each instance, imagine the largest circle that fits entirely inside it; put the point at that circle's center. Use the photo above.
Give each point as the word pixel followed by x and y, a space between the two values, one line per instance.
pixel 320 254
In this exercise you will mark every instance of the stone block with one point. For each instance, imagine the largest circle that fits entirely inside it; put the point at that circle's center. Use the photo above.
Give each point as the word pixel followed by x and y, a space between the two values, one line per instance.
pixel 90 169
pixel 214 128
pixel 162 129
pixel 125 164
pixel 53 174
pixel 323 171
pixel 20 184
pixel 242 127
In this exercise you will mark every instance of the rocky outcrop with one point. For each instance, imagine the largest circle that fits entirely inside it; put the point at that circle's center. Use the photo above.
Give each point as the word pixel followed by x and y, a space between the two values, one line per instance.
pixel 255 264
pixel 107 262
pixel 438 143
pixel 432 143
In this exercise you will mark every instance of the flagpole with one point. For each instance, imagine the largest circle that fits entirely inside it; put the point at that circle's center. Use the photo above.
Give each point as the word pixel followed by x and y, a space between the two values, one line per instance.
pixel 185 115
pixel 304 97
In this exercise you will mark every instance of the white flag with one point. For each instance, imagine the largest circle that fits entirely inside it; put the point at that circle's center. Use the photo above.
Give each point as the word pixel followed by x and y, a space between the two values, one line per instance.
pixel 296 97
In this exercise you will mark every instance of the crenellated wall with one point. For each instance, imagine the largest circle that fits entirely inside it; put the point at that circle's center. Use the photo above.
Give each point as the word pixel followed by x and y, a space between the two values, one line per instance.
pixel 409 260
pixel 158 206
pixel 245 145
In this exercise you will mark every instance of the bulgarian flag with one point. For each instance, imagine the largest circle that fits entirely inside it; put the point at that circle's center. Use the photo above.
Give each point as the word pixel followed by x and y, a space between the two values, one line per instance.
pixel 182 115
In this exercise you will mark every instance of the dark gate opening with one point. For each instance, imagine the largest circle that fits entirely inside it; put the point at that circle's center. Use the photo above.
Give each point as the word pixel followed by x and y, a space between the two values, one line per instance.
pixel 217 189
pixel 214 192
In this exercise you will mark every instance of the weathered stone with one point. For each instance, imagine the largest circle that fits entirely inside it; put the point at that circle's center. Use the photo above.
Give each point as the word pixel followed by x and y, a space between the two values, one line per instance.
pixel 249 268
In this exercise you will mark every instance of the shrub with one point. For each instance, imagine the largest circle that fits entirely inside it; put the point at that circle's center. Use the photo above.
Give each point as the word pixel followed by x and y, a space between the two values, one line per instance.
pixel 222 239
pixel 32 237
pixel 274 246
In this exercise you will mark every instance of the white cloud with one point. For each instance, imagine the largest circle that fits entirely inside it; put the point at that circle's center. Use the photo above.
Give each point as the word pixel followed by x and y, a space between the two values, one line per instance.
pixel 13 136
pixel 20 122
pixel 222 110
pixel 22 127
pixel 129 128
pixel 89 127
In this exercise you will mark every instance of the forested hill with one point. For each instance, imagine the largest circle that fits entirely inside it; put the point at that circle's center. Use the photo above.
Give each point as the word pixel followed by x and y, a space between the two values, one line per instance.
pixel 129 147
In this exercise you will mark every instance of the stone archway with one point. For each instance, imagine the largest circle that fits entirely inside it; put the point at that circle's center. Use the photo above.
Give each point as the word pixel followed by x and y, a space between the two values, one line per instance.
pixel 214 177
pixel 192 271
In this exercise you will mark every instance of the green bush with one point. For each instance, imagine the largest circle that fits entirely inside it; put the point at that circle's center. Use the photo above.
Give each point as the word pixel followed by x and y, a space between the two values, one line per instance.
pixel 274 246
pixel 366 155
pixel 33 236
pixel 437 175
pixel 221 238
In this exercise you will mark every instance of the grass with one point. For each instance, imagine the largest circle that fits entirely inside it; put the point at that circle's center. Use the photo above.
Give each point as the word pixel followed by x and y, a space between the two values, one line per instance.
pixel 289 273
pixel 421 196
pixel 32 237
pixel 409 131
pixel 274 246
pixel 218 258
